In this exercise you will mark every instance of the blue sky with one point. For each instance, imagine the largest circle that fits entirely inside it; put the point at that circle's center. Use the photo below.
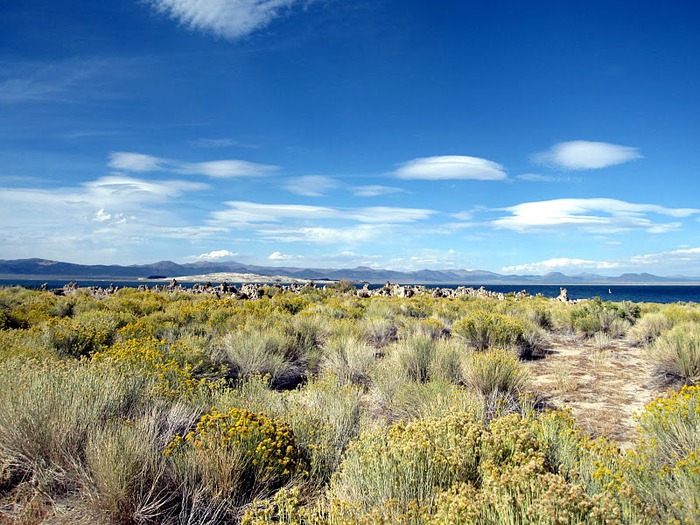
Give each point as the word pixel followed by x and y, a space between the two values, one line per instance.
pixel 518 137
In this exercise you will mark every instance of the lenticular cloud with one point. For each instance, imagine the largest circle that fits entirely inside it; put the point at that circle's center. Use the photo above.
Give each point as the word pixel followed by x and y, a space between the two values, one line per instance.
pixel 585 155
pixel 229 19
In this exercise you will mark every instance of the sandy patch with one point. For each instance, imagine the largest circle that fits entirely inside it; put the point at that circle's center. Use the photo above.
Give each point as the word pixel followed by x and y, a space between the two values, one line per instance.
pixel 603 388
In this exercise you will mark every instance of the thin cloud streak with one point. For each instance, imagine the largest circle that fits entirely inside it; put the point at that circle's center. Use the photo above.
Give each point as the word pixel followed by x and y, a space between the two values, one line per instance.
pixel 311 185
pixel 252 212
pixel 217 169
pixel 375 190
pixel 683 259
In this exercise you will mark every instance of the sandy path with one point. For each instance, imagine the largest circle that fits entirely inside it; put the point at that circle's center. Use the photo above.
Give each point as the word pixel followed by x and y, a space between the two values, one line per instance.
pixel 603 388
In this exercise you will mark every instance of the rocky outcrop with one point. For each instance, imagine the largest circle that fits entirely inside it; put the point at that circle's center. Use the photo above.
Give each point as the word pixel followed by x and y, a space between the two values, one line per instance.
pixel 253 291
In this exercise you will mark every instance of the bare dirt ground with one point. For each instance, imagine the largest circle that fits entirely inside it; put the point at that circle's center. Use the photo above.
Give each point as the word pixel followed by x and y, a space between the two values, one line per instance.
pixel 604 388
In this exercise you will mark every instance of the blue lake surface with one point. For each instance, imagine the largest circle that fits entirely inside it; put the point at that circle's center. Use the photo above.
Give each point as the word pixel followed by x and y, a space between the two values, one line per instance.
pixel 628 292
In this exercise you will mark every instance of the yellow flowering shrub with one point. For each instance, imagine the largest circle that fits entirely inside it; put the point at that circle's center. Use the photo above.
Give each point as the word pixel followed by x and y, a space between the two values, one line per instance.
pixel 76 337
pixel 169 366
pixel 407 462
pixel 664 467
pixel 239 453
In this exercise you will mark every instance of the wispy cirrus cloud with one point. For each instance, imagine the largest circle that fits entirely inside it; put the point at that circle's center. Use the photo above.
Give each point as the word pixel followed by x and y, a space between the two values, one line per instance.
pixel 230 19
pixel 72 80
pixel 451 167
pixel 536 177
pixel 559 264
pixel 586 155
pixel 682 260
pixel 218 169
pixel 680 255
pixel 356 234
pixel 252 212
pixel 112 216
pixel 375 190
pixel 311 185
pixel 221 143
pixel 595 215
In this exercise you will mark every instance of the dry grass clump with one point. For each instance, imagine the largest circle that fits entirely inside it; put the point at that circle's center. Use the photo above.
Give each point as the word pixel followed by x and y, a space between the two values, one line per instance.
pixel 676 353
pixel 349 358
pixel 648 328
pixel 251 352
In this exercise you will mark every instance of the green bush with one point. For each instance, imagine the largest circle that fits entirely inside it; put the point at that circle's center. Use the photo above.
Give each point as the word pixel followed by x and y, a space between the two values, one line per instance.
pixel 494 372
pixel 483 330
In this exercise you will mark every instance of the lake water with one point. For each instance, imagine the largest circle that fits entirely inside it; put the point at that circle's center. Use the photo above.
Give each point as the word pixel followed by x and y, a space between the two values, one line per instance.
pixel 636 293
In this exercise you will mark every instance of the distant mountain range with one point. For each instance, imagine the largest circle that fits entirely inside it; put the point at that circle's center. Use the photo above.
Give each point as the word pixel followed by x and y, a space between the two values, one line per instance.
pixel 45 269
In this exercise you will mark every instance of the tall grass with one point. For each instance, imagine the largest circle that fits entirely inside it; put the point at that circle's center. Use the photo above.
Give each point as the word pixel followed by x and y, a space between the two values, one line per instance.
pixel 49 411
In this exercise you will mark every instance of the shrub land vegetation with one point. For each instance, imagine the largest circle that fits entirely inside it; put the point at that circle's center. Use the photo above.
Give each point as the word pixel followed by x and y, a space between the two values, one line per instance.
pixel 322 407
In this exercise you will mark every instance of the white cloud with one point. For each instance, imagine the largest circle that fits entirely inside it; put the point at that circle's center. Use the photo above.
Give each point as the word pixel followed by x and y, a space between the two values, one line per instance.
pixel 229 19
pixel 278 256
pixel 311 185
pixel 423 258
pixel 375 190
pixel 215 255
pixel 559 264
pixel 451 167
pixel 597 215
pixel 109 218
pixel 585 155
pixel 252 212
pixel 126 161
pixel 219 169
